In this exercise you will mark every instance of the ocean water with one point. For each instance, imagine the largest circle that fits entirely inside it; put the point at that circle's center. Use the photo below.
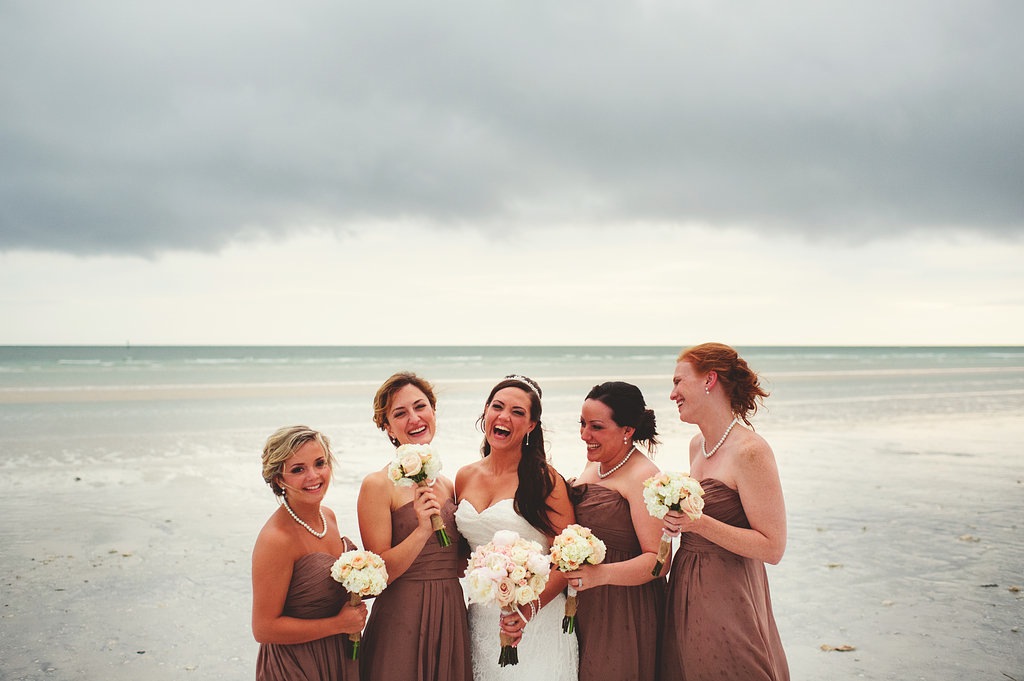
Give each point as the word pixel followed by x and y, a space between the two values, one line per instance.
pixel 165 411
pixel 132 491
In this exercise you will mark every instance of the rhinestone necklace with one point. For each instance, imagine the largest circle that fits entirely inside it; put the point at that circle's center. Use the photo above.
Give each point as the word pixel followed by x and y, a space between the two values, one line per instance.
pixel 617 466
pixel 707 454
pixel 300 521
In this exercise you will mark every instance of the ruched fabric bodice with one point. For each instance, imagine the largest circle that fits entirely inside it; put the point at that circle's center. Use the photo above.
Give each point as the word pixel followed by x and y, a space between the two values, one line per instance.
pixel 719 624
pixel 312 594
pixel 606 512
pixel 433 561
pixel 617 625
pixel 721 503
pixel 417 629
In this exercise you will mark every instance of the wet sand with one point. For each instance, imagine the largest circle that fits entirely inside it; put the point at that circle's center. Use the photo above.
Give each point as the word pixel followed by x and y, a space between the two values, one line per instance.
pixel 906 544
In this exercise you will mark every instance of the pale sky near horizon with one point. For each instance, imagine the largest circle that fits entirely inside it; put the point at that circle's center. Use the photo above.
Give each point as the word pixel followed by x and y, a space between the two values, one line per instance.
pixel 635 173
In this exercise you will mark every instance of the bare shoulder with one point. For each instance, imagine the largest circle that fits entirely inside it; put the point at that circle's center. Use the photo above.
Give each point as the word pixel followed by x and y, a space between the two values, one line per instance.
pixel 274 540
pixel 376 483
pixel 755 458
pixel 446 486
pixel 466 475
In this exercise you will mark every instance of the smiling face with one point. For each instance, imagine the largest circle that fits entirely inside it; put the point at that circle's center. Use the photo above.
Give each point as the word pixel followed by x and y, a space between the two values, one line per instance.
pixel 507 418
pixel 306 474
pixel 687 389
pixel 607 442
pixel 410 418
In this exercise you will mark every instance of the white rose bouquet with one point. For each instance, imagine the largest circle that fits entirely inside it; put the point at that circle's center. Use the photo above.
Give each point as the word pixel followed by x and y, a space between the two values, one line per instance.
pixel 672 492
pixel 572 548
pixel 510 571
pixel 419 465
pixel 362 573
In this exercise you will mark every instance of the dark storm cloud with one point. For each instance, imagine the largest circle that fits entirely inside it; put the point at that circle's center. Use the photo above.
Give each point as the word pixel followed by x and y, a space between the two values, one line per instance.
pixel 135 128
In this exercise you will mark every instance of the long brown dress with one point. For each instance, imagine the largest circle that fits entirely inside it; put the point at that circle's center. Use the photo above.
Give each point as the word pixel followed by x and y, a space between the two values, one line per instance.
pixel 617 626
pixel 312 594
pixel 719 624
pixel 417 629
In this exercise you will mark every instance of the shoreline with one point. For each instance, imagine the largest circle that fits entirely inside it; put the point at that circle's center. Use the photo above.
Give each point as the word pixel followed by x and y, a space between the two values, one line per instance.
pixel 895 531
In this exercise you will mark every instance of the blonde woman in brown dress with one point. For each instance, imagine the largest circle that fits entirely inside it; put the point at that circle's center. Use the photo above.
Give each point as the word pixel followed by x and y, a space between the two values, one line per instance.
pixel 620 602
pixel 719 623
pixel 300 615
pixel 418 629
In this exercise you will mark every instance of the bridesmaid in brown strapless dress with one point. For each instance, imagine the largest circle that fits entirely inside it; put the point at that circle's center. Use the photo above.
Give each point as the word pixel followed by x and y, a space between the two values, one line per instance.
pixel 620 603
pixel 719 623
pixel 301 617
pixel 618 625
pixel 418 628
pixel 313 594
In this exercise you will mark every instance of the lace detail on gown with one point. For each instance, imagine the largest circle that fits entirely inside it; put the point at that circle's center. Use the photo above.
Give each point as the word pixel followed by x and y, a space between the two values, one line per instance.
pixel 544 651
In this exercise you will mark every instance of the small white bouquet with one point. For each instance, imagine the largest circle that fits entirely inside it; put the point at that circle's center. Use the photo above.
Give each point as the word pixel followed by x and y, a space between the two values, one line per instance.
pixel 419 465
pixel 510 571
pixel 570 550
pixel 362 573
pixel 672 492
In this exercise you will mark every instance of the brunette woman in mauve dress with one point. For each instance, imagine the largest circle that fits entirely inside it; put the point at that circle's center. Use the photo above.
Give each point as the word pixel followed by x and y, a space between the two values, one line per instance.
pixel 417 630
pixel 620 603
pixel 719 624
pixel 300 615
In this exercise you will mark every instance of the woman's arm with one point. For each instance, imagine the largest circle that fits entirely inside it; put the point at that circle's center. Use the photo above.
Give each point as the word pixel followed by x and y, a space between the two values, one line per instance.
pixel 757 481
pixel 273 559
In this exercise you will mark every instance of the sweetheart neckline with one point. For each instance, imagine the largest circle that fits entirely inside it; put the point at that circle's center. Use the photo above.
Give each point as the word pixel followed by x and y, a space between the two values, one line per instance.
pixel 470 503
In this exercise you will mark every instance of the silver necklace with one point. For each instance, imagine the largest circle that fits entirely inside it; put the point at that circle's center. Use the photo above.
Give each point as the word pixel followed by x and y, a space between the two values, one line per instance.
pixel 707 454
pixel 300 521
pixel 617 466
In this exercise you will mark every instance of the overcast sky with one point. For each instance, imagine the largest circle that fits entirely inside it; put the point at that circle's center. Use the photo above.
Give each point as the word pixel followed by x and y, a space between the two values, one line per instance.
pixel 329 172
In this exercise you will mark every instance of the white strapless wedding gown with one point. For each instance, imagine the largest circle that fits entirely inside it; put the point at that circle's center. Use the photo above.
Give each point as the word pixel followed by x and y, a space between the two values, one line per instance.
pixel 545 653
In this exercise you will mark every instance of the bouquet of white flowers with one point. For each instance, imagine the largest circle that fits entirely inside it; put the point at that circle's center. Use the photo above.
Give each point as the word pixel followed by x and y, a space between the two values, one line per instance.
pixel 510 571
pixel 419 465
pixel 362 573
pixel 672 492
pixel 572 548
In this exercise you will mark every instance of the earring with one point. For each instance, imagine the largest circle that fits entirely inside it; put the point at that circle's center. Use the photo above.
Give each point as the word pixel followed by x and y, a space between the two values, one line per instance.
pixel 527 442
pixel 707 390
pixel 625 440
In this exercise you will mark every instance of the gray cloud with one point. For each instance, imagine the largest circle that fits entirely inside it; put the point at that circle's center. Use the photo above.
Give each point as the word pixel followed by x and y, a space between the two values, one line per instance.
pixel 130 128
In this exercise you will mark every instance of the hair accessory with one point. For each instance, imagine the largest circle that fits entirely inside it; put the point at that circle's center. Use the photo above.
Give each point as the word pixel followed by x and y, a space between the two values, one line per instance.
pixel 525 381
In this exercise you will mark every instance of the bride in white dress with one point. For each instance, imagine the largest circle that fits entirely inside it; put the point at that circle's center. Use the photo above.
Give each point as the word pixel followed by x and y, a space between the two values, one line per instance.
pixel 513 488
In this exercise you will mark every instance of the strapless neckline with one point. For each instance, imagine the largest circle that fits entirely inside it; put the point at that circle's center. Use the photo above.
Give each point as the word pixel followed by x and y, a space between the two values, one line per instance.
pixel 468 503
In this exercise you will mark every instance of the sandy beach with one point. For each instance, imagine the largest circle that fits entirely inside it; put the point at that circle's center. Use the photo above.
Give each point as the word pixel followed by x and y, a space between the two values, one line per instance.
pixel 127 557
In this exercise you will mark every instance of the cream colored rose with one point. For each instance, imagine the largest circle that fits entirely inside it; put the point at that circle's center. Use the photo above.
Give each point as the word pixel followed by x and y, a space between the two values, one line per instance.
pixel 411 464
pixel 506 592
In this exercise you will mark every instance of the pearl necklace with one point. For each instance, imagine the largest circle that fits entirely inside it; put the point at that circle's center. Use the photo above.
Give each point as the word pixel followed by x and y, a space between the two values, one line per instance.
pixel 617 466
pixel 300 521
pixel 707 454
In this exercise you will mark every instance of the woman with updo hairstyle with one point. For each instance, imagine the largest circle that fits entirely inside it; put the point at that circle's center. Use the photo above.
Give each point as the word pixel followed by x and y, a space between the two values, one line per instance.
pixel 620 603
pixel 300 615
pixel 719 622
pixel 513 487
pixel 417 628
